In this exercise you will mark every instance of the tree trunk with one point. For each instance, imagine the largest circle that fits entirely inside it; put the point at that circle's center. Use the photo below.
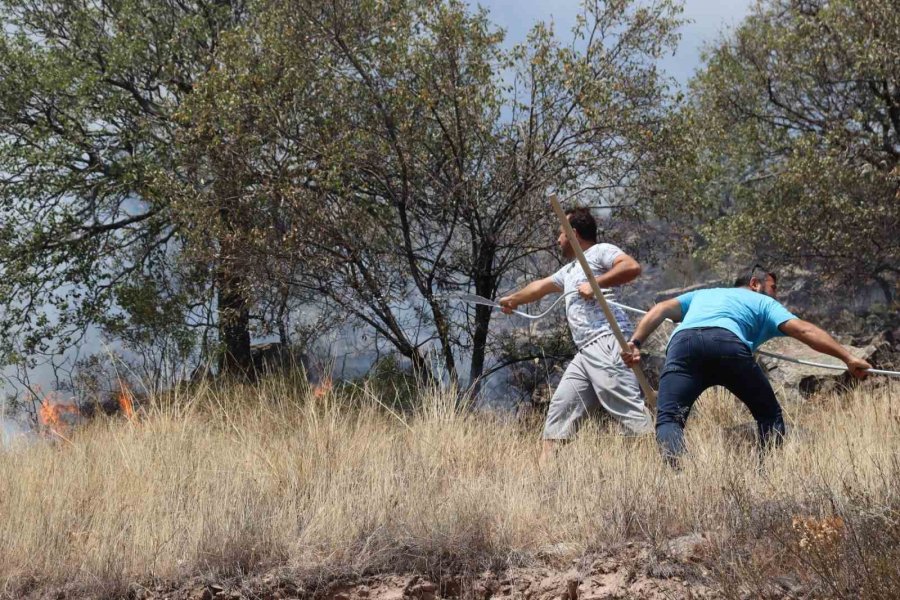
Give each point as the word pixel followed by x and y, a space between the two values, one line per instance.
pixel 234 330
pixel 440 322
pixel 485 284
pixel 421 370
pixel 479 346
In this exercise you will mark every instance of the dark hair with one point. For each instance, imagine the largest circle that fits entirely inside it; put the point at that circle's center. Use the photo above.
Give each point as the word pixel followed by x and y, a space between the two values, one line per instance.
pixel 583 222
pixel 757 271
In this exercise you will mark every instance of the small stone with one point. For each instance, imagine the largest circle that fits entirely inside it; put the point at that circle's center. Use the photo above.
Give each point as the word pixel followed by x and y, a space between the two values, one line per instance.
pixel 203 593
pixel 412 582
pixel 789 584
pixel 689 548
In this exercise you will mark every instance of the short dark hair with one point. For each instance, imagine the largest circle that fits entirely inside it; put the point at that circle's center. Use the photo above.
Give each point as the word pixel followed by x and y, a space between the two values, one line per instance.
pixel 757 271
pixel 583 222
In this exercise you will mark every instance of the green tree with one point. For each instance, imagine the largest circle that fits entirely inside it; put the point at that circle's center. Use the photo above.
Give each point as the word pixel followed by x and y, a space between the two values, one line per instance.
pixel 89 92
pixel 788 150
pixel 410 152
pixel 234 157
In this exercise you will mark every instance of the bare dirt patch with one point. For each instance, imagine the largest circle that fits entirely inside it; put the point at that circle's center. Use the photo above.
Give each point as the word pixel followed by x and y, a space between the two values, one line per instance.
pixel 628 570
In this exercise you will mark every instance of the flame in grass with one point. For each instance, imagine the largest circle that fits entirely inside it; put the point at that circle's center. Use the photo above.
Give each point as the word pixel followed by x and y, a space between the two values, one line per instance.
pixel 322 389
pixel 126 402
pixel 50 416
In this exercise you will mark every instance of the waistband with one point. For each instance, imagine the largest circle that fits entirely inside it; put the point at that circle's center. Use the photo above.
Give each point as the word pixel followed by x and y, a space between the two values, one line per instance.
pixel 705 329
pixel 602 334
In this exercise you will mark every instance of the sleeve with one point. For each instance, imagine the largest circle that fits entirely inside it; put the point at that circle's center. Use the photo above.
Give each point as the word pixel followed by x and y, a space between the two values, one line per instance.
pixel 685 301
pixel 605 256
pixel 776 314
pixel 559 278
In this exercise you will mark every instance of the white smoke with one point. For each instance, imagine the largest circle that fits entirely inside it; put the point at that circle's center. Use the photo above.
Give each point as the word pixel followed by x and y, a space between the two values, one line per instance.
pixel 11 432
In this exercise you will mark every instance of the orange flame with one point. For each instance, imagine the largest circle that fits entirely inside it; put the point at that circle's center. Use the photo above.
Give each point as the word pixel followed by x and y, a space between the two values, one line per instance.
pixel 320 390
pixel 50 416
pixel 126 402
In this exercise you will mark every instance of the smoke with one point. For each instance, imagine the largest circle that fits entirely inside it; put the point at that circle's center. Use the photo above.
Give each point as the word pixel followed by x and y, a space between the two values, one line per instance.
pixel 11 432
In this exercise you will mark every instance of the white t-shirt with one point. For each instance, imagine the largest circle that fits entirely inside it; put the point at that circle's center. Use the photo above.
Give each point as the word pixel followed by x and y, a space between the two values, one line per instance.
pixel 586 318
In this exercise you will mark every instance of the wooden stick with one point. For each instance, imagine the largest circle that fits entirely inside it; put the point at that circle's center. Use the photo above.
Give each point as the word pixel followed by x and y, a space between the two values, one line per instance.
pixel 649 394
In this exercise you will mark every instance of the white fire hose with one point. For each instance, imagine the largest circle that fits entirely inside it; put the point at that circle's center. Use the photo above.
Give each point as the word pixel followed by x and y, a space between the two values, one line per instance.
pixel 476 299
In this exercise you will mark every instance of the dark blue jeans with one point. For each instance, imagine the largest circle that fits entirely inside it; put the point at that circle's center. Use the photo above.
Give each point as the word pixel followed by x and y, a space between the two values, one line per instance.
pixel 701 358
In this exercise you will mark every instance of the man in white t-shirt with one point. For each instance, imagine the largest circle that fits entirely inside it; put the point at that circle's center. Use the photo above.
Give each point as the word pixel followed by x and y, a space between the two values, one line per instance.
pixel 596 377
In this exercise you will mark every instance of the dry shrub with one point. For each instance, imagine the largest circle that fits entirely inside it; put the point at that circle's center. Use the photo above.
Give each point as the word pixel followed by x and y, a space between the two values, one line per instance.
pixel 231 481
pixel 829 524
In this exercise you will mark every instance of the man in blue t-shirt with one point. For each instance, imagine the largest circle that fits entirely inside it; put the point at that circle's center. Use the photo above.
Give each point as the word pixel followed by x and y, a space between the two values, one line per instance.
pixel 714 344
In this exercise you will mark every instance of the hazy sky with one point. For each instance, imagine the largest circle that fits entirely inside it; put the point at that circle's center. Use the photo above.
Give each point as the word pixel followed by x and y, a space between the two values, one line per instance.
pixel 707 19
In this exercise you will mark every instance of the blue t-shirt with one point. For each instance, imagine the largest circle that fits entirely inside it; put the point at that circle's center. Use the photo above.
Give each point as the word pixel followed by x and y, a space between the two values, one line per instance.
pixel 751 316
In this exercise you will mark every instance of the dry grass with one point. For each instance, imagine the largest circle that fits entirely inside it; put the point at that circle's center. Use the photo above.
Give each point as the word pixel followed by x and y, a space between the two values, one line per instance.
pixel 235 480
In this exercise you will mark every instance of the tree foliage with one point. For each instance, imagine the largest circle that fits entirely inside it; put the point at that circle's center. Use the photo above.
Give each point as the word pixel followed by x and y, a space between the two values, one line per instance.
pixel 409 152
pixel 788 149
pixel 167 159
pixel 88 94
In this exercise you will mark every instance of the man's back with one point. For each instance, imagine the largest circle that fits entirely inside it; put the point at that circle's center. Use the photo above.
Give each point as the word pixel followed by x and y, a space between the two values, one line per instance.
pixel 751 316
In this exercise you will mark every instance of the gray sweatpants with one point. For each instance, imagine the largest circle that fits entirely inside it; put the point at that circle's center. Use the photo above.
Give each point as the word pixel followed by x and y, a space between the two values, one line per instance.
pixel 596 378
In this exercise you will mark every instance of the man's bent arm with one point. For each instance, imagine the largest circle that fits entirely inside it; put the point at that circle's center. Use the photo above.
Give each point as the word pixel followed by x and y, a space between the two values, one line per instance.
pixel 669 309
pixel 624 270
pixel 530 293
pixel 819 340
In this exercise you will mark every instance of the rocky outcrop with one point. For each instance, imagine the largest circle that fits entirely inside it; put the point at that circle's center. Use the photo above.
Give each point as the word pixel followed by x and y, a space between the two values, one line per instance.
pixel 674 292
pixel 794 381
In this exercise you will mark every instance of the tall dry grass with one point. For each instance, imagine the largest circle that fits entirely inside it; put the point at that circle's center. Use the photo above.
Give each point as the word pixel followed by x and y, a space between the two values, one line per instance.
pixel 234 480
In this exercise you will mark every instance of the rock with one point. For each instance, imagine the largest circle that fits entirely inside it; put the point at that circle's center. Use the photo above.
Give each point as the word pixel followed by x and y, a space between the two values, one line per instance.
pixel 794 381
pixel 789 583
pixel 653 358
pixel 204 593
pixel 673 292
pixel 689 548
pixel 556 552
pixel 450 586
pixel 482 590
pixel 887 349
pixel 423 591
